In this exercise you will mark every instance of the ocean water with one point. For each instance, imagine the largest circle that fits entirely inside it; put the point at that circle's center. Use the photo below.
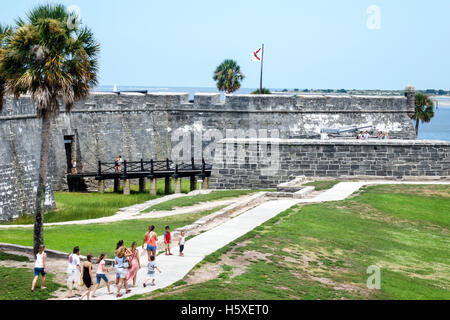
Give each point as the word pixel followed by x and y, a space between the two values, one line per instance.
pixel 437 129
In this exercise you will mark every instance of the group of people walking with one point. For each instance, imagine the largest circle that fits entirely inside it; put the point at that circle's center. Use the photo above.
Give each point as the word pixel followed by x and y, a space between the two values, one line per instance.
pixel 126 263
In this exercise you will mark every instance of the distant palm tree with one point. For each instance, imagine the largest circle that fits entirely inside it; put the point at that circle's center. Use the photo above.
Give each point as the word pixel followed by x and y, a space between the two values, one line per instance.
pixel 55 62
pixel 228 76
pixel 424 110
pixel 5 31
pixel 264 91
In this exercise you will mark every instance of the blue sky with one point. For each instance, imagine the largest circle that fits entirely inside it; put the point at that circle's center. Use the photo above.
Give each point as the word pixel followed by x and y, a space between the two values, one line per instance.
pixel 309 44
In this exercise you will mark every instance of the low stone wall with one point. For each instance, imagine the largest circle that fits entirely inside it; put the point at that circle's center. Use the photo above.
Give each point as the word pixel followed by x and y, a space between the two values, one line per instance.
pixel 264 163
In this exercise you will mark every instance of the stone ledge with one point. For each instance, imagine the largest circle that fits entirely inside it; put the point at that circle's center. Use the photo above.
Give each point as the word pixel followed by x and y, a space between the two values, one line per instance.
pixel 335 142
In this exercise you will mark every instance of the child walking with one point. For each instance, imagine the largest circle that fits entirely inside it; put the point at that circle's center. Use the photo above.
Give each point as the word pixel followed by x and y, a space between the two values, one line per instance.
pixel 101 270
pixel 73 272
pixel 167 241
pixel 181 243
pixel 151 273
pixel 87 276
pixel 39 268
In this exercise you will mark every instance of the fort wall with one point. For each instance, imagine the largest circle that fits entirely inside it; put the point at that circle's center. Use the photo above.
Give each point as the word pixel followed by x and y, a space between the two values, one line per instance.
pixel 158 126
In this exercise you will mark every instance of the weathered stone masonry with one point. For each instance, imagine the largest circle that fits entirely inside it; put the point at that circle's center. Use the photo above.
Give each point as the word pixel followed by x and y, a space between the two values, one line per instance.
pixel 142 126
pixel 326 158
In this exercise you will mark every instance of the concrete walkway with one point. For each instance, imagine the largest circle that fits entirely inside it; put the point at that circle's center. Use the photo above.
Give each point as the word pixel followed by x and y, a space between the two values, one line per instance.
pixel 175 268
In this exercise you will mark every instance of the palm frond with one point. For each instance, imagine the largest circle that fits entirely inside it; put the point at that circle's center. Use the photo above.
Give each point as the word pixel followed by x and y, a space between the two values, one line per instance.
pixel 49 60
pixel 228 76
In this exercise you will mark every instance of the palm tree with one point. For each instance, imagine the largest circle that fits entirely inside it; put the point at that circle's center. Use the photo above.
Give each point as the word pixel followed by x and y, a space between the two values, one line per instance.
pixel 5 31
pixel 55 62
pixel 228 76
pixel 424 110
pixel 264 91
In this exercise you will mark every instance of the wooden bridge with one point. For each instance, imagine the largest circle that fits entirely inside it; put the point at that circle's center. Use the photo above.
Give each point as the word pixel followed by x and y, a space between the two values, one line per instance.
pixel 151 170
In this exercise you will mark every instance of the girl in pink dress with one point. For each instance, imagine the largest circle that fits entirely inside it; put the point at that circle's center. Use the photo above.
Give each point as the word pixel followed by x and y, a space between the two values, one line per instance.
pixel 133 258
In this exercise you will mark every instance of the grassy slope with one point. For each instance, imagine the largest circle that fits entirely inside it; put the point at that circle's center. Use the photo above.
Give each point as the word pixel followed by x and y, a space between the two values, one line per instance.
pixel 317 249
pixel 16 285
pixel 13 257
pixel 73 206
pixel 97 238
pixel 322 185
pixel 192 200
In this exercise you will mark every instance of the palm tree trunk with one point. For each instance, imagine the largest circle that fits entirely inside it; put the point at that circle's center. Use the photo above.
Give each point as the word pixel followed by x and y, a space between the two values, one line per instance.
pixel 417 127
pixel 40 197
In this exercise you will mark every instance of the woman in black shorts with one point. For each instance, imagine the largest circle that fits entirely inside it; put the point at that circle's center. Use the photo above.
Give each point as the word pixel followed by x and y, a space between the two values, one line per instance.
pixel 87 276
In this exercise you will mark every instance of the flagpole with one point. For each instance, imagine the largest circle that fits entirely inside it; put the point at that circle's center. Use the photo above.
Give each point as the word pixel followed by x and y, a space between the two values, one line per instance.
pixel 262 61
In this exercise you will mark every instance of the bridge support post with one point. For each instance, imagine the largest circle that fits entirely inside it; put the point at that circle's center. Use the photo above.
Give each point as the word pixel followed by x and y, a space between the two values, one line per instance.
pixel 205 183
pixel 141 184
pixel 126 187
pixel 153 187
pixel 193 183
pixel 167 185
pixel 178 185
pixel 101 186
pixel 116 185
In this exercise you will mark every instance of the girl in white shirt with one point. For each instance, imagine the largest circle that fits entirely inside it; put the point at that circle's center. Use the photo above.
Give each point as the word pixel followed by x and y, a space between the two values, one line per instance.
pixel 39 268
pixel 73 272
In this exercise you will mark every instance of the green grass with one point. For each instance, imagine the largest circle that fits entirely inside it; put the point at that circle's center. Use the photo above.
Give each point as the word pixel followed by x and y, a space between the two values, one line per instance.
pixel 72 206
pixel 98 238
pixel 322 185
pixel 16 285
pixel 192 200
pixel 13 257
pixel 321 251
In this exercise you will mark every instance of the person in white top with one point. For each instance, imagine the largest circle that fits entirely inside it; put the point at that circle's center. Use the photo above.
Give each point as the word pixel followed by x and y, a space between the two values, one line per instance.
pixel 181 243
pixel 39 268
pixel 73 272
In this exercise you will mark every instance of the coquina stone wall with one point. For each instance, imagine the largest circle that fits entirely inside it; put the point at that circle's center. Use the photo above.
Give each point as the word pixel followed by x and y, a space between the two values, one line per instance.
pixel 265 163
pixel 160 125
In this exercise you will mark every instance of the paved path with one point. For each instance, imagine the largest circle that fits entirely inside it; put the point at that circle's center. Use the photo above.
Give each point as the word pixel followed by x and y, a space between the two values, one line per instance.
pixel 174 268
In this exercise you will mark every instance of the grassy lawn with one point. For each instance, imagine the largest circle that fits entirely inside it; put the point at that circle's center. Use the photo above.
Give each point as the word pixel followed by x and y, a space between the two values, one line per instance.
pixel 322 185
pixel 16 285
pixel 13 257
pixel 73 206
pixel 192 200
pixel 322 251
pixel 98 238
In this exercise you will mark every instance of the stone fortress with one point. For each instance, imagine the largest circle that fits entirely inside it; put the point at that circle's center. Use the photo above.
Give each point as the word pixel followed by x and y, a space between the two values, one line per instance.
pixel 160 125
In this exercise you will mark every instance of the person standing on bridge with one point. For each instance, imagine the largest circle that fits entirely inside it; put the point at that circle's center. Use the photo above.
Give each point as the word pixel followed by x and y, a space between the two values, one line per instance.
pixel 117 164
pixel 120 163
pixel 150 239
pixel 74 167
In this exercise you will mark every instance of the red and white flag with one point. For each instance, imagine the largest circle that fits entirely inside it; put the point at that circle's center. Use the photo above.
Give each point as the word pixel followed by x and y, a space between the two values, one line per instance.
pixel 256 55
